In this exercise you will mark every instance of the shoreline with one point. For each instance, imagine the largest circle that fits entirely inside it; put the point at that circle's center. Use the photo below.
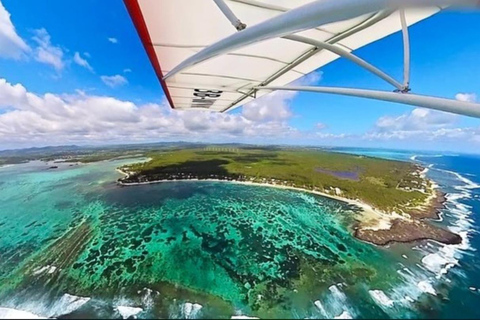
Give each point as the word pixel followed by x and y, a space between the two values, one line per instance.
pixel 375 226
pixel 357 203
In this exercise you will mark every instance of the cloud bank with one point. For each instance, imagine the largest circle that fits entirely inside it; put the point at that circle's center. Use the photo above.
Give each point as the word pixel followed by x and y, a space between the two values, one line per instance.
pixel 29 119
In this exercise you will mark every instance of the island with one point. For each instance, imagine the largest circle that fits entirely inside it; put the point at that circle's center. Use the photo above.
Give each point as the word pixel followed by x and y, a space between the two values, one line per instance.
pixel 395 199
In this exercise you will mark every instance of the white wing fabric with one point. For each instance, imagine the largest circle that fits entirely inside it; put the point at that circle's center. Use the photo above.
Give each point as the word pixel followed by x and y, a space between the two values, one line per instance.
pixel 173 30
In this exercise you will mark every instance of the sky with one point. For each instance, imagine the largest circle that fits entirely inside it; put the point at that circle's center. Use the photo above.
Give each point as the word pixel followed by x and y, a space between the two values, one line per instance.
pixel 75 72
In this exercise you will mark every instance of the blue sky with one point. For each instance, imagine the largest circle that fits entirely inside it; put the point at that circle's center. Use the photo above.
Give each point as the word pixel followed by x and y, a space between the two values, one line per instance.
pixel 76 72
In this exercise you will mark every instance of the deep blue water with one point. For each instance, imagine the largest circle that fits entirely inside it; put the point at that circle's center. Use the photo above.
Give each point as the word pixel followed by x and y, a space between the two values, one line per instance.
pixel 459 176
pixel 463 301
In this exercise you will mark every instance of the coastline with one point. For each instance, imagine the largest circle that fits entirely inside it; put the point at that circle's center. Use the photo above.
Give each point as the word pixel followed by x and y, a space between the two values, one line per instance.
pixel 365 207
pixel 374 226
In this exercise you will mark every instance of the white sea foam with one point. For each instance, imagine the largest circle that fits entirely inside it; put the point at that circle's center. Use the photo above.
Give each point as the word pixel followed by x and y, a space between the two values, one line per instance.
pixel 190 310
pixel 320 307
pixel 426 286
pixel 344 315
pixel 67 304
pixel 399 297
pixel 381 298
pixel 339 295
pixel 10 313
pixel 424 172
pixel 307 198
pixel 415 284
pixel 438 264
pixel 127 312
pixel 408 271
pixel 147 297
pixel 448 256
pixel 469 184
pixel 336 302
pixel 49 269
pixel 43 306
pixel 243 317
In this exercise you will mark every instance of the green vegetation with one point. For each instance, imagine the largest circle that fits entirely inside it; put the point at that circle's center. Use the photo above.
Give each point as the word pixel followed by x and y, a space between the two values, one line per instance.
pixel 384 184
pixel 95 157
pixel 83 153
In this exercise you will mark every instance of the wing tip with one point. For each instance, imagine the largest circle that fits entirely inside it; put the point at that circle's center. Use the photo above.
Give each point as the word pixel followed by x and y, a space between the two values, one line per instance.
pixel 136 15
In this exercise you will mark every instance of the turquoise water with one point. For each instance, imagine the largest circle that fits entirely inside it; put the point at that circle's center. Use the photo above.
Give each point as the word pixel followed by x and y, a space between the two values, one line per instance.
pixel 75 244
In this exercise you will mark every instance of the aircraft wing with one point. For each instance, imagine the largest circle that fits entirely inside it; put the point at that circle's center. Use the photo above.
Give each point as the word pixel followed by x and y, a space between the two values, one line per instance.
pixel 173 30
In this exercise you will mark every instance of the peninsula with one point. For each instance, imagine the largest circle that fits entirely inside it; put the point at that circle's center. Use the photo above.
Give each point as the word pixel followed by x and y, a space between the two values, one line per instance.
pixel 396 199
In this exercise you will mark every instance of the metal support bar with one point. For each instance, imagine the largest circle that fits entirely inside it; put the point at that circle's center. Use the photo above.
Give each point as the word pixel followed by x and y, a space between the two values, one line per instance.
pixel 344 53
pixel 239 25
pixel 307 55
pixel 308 16
pixel 447 105
pixel 368 22
pixel 406 52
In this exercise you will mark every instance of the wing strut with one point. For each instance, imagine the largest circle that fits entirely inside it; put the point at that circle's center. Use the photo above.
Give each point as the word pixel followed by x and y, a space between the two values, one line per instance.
pixel 302 18
pixel 406 52
pixel 322 12
pixel 344 53
pixel 239 25
pixel 447 105
pixel 310 15
pixel 236 22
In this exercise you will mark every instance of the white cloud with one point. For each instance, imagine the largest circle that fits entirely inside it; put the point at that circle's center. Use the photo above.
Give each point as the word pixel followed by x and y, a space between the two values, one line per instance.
pixel 11 44
pixel 273 106
pixel 419 119
pixel 466 97
pixel 114 81
pixel 309 79
pixel 422 125
pixel 81 61
pixel 276 105
pixel 46 52
pixel 443 136
pixel 31 119
pixel 113 40
pixel 127 70
pixel 320 126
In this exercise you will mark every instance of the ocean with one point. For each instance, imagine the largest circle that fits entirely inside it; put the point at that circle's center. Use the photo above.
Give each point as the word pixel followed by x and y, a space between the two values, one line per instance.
pixel 74 244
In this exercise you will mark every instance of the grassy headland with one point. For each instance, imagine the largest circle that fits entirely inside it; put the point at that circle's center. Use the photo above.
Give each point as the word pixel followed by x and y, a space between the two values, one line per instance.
pixel 395 195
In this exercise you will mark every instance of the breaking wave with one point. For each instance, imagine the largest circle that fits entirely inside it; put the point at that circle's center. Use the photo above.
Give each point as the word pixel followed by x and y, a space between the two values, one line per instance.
pixel 41 308
pixel 335 305
pixel 448 256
